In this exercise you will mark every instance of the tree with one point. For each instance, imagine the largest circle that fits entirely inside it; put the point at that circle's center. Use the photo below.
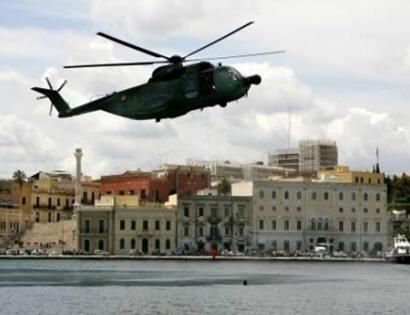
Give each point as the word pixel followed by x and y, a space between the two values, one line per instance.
pixel 224 187
pixel 19 176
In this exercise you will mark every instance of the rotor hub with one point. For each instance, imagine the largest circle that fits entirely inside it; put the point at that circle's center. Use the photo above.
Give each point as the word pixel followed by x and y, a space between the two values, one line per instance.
pixel 176 59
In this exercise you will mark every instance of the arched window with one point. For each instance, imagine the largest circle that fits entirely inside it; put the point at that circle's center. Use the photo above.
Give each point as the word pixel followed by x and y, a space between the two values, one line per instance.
pixel 122 243
pixel 101 244
pixel 320 224
pixel 86 245
pixel 157 244
pixel 133 243
pixel 168 244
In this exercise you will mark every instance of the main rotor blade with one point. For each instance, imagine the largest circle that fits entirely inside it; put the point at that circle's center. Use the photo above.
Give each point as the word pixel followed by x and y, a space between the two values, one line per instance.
pixel 238 56
pixel 218 39
pixel 129 45
pixel 116 64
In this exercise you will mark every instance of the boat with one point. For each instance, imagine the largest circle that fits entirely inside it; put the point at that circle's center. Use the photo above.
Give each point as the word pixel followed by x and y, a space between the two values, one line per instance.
pixel 401 250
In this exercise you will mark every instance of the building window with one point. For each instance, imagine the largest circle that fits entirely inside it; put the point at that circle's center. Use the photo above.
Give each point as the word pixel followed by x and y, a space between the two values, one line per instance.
pixel 133 243
pixel 214 212
pixel 201 231
pixel 241 230
pixel 101 226
pixel 226 231
pixel 299 225
pixel 261 194
pixel 273 224
pixel 340 226
pixel 274 194
pixel 369 181
pixel 340 210
pixel 365 196
pixel 353 210
pixel 353 226
pixel 287 209
pixel 365 226
pixel 377 197
pixel 286 225
pixel 356 179
pixel 320 225
pixel 366 246
pixel 131 192
pixel 168 225
pixel 168 244
pixel 101 244
pixel 133 225
pixel 313 224
pixel 261 208
pixel 145 225
pixel 201 212
pixel 260 224
pixel 341 196
pixel 286 195
pixel 353 196
pixel 274 245
pixel 313 195
pixel 299 195
pixel 326 196
pixel 377 210
pixel 273 208
pixel 49 203
pixel 157 225
pixel 341 246
pixel 186 211
pixel 23 200
pixel 227 211
pixel 58 217
pixel 326 225
pixel 377 227
pixel 186 230
pixel 122 243
pixel 122 225
pixel 87 226
pixel 365 210
pixel 143 194
pixel 299 245
pixel 299 209
pixel 122 193
pixel 157 244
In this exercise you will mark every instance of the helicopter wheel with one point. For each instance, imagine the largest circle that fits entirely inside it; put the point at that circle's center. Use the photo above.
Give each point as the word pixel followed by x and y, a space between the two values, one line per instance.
pixel 222 104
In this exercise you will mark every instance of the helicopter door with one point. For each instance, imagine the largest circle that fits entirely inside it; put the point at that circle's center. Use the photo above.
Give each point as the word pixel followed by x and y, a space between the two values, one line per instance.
pixel 191 88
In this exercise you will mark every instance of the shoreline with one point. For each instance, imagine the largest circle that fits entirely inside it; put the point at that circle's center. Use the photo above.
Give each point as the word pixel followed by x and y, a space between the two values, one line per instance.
pixel 197 258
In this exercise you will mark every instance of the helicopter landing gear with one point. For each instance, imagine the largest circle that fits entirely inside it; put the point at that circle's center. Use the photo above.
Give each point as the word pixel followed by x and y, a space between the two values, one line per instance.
pixel 157 120
pixel 222 104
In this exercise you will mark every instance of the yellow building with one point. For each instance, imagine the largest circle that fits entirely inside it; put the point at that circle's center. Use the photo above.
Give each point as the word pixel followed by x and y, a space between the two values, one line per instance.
pixel 342 174
pixel 52 196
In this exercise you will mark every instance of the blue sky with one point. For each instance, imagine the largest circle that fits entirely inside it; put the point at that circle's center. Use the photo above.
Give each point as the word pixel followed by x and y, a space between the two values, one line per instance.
pixel 346 75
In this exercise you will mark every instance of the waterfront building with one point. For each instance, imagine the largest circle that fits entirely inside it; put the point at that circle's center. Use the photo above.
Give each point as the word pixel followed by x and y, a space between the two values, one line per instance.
pixel 296 215
pixel 15 216
pixel 209 221
pixel 120 224
pixel 157 185
pixel 52 196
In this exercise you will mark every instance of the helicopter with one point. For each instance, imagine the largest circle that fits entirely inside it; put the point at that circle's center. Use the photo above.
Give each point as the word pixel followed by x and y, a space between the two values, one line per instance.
pixel 173 90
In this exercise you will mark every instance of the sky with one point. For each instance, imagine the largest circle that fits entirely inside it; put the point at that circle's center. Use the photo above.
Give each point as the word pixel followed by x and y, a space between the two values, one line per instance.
pixel 345 76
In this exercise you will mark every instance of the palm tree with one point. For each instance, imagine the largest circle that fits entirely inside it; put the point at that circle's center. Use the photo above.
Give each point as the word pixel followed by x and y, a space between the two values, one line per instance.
pixel 19 176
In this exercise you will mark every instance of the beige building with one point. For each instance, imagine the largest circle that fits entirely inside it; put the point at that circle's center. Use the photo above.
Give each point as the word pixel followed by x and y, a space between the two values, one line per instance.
pixel 122 224
pixel 206 222
pixel 316 155
pixel 296 215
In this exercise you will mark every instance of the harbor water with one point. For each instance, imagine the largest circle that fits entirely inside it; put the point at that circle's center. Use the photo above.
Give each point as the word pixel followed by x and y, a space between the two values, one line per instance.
pixel 202 287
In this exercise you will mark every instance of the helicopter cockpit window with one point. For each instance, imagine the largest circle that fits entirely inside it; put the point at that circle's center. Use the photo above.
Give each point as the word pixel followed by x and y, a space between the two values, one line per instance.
pixel 233 74
pixel 206 80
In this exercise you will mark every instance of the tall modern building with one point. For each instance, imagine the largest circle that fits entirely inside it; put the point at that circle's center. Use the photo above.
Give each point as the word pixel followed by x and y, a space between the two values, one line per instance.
pixel 286 158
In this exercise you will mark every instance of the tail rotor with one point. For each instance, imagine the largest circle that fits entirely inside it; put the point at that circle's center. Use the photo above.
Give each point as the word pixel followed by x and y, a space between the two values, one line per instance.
pixel 51 88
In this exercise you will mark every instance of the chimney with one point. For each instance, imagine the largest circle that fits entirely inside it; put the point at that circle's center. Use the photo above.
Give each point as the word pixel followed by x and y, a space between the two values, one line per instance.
pixel 78 191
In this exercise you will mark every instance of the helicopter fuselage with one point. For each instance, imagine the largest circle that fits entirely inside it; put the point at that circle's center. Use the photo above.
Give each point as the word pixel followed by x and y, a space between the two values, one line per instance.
pixel 173 91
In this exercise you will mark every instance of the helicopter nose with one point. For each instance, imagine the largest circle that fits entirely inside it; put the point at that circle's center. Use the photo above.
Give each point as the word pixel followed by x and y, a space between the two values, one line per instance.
pixel 253 79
